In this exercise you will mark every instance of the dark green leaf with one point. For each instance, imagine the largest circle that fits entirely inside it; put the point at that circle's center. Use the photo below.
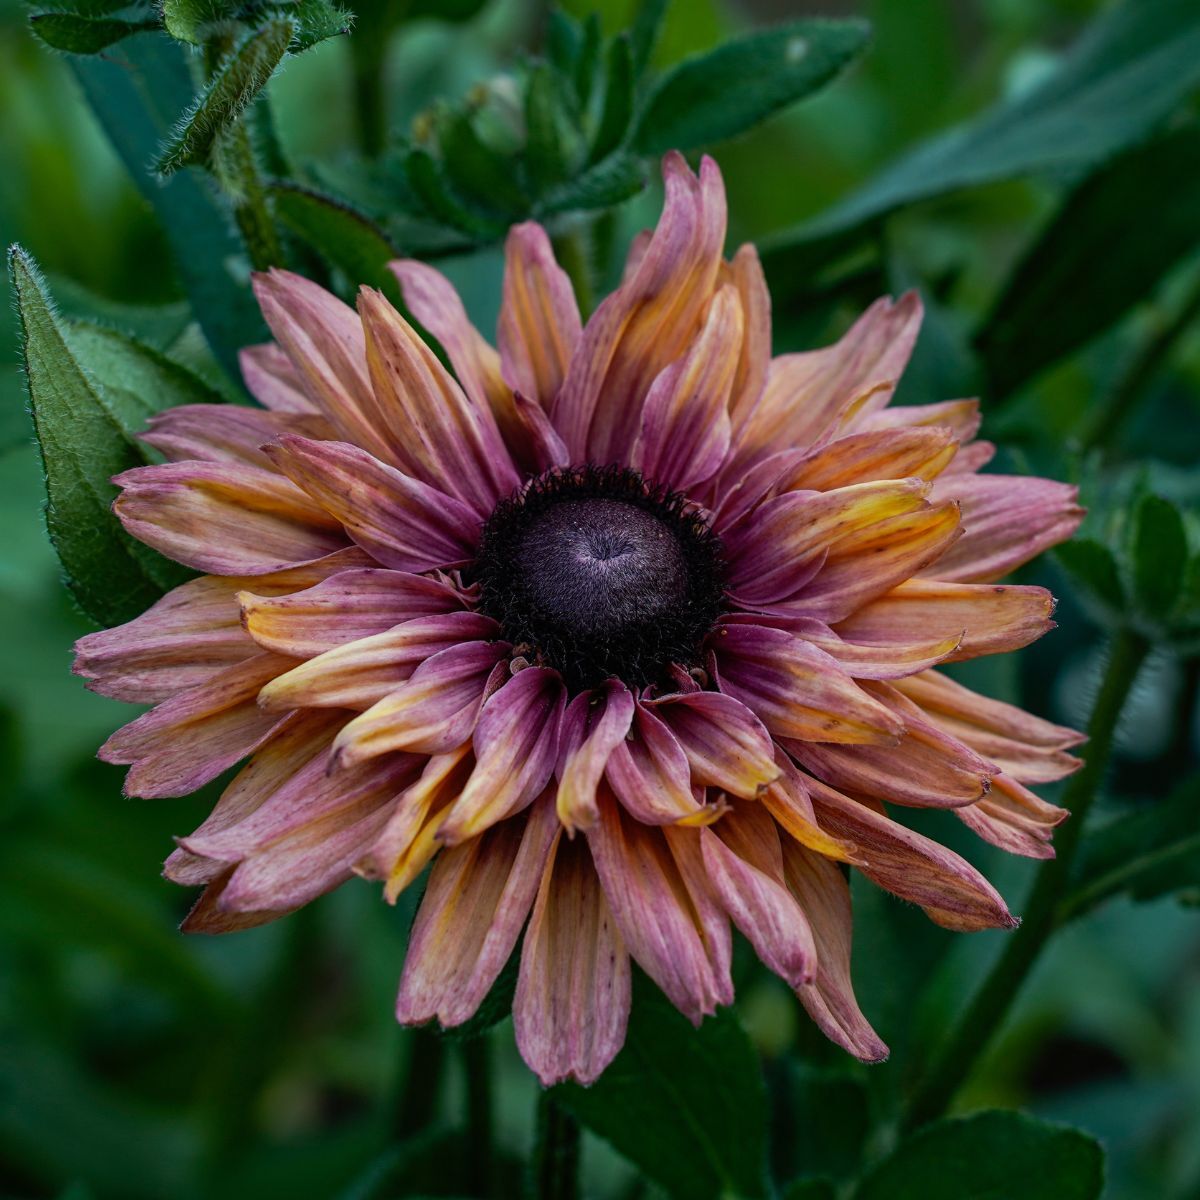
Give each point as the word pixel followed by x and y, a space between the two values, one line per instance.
pixel 610 182
pixel 476 171
pixel 77 34
pixel 318 20
pixel 588 61
pixel 617 112
pixel 551 146
pixel 136 92
pixel 350 241
pixel 425 176
pixel 685 1105
pixel 1093 567
pixel 82 446
pixel 239 78
pixel 1159 555
pixel 1144 209
pixel 990 1156
pixel 1131 69
pixel 563 39
pixel 189 20
pixel 732 88
pixel 1148 853
pixel 646 30
pixel 137 380
pixel 810 1189
pixel 827 1121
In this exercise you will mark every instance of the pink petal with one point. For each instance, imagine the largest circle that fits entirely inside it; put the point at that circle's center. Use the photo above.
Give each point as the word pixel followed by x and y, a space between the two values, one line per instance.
pixel 573 991
pixel 324 340
pixel 685 425
pixel 434 710
pixel 914 868
pixel 648 322
pixel 594 724
pixel 1012 817
pixel 824 895
pixel 191 738
pixel 988 618
pixel 404 523
pixel 207 915
pixel 787 800
pixel 223 518
pixel 797 690
pixel 921 453
pixel 475 904
pixel 361 673
pixel 436 433
pixel 516 748
pixel 539 325
pixel 273 380
pixel 725 743
pixel 1006 520
pixel 349 606
pixel 650 775
pixel 745 863
pixel 227 433
pixel 651 905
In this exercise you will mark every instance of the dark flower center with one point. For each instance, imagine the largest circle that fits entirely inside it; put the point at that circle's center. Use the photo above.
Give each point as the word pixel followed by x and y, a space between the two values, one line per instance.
pixel 600 574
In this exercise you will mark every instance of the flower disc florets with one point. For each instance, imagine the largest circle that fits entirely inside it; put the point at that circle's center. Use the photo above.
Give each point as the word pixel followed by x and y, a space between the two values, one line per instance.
pixel 602 574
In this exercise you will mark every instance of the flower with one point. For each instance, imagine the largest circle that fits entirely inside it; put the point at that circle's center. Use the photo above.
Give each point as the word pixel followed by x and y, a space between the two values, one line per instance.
pixel 628 628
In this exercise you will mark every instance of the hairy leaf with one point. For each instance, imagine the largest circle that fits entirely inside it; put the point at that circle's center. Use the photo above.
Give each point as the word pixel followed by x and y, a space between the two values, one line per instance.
pixel 742 82
pixel 76 34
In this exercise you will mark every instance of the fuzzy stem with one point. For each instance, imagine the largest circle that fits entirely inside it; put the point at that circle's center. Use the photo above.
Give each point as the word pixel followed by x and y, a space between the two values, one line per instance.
pixel 985 1015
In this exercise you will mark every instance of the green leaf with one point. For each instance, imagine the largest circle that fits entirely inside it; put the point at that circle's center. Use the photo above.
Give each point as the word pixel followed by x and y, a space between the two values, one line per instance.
pixel 1093 567
pixel 1159 555
pixel 551 147
pixel 82 446
pixel 318 20
pixel 424 174
pixel 990 1156
pixel 137 380
pixel 827 1122
pixel 617 112
pixel 77 34
pixel 137 91
pixel 610 182
pixel 1040 316
pixel 686 1106
pixel 1152 852
pixel 730 89
pixel 190 20
pixel 349 240
pixel 239 78
pixel 476 171
pixel 645 32
pixel 588 61
pixel 1129 71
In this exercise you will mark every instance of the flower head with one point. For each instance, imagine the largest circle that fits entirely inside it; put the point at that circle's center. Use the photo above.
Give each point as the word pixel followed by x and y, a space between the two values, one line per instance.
pixel 628 628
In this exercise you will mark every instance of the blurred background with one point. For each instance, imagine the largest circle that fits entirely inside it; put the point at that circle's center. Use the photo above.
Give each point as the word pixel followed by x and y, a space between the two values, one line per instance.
pixel 136 1063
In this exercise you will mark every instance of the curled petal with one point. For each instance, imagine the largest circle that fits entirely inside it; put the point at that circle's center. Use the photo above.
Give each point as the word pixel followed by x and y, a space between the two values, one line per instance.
pixel 650 775
pixel 797 690
pixel 539 324
pixel 912 867
pixel 744 271
pixel 404 523
pixel 988 618
pixel 225 518
pixel 352 605
pixel 573 991
pixel 961 417
pixel 434 710
pixel 191 738
pixel 685 421
pixel 594 725
pixel 648 322
pixel 787 800
pixel 1012 817
pixel 516 748
pixel 921 453
pixel 725 743
pixel 650 901
pixel 438 434
pixel 361 673
pixel 475 904
pixel 1026 747
pixel 207 915
pixel 824 896
pixel 770 550
pixel 745 863
pixel 1007 520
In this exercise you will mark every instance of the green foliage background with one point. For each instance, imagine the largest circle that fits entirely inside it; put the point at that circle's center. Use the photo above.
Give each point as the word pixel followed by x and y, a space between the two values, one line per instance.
pixel 1055 235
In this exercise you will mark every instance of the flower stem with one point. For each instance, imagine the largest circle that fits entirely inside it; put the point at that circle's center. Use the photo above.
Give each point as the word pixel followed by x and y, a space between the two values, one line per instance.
pixel 572 249
pixel 417 1097
pixel 985 1014
pixel 477 1064
pixel 556 1158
